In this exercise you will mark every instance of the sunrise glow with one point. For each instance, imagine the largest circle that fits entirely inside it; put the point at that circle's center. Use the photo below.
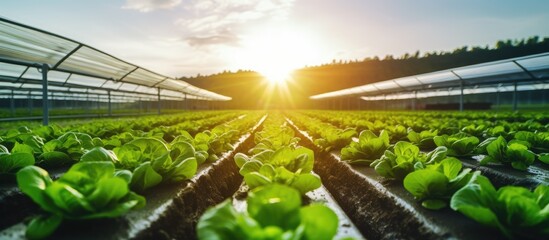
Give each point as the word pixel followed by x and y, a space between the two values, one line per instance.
pixel 275 53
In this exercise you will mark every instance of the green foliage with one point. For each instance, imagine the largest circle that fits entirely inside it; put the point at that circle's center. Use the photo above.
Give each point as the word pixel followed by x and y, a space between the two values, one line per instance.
pixel 368 148
pixel 274 137
pixel 335 138
pixel 274 212
pixel 435 185
pixel 10 163
pixel 87 190
pixel 404 158
pixel 515 211
pixel 513 153
pixel 538 141
pixel 424 139
pixel 287 166
pixel 65 150
pixel 152 162
pixel 459 145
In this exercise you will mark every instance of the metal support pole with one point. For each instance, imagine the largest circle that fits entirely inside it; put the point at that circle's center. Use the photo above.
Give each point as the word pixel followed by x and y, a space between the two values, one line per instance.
pixel 140 105
pixel 12 104
pixel 515 100
pixel 30 103
pixel 110 105
pixel 185 101
pixel 414 101
pixel 159 106
pixel 45 105
pixel 497 100
pixel 461 96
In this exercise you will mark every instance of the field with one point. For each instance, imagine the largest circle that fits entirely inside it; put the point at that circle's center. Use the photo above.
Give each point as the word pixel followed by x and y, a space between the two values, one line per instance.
pixel 278 175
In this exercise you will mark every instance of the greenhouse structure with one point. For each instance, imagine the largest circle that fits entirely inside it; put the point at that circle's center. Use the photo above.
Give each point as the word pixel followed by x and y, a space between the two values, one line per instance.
pixel 36 64
pixel 528 73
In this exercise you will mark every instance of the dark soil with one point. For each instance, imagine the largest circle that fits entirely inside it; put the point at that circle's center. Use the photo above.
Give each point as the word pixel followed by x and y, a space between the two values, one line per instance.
pixel 383 209
pixel 172 211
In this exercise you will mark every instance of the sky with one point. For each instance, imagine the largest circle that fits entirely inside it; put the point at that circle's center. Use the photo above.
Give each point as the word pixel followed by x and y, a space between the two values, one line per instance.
pixel 189 37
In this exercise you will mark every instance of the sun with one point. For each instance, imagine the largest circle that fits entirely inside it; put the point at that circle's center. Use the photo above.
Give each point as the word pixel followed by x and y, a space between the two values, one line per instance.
pixel 276 52
pixel 275 75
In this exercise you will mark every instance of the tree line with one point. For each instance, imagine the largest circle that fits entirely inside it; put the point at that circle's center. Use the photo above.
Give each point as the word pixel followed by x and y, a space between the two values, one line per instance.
pixel 340 74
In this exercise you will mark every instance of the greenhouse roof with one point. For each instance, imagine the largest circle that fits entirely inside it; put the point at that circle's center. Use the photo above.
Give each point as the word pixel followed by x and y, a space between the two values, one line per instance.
pixel 527 69
pixel 71 64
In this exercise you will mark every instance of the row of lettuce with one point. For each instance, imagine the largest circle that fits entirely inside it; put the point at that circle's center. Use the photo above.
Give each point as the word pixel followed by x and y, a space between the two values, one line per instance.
pixel 423 154
pixel 278 173
pixel 107 175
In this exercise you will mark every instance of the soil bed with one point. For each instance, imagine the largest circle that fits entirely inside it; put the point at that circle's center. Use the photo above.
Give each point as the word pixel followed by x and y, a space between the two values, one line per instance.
pixel 171 211
pixel 383 209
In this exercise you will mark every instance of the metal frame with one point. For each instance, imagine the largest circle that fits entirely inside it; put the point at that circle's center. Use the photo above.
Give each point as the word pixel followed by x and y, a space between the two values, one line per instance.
pixel 15 55
pixel 485 78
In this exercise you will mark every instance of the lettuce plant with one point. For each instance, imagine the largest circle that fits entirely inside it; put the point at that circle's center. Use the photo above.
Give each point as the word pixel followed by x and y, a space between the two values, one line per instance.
pixel 404 158
pixel 273 212
pixel 539 142
pixel 396 132
pixel 87 190
pixel 424 139
pixel 516 211
pixel 273 138
pixel 287 166
pixel 20 157
pixel 216 141
pixel 513 153
pixel 335 138
pixel 368 148
pixel 67 149
pixel 152 162
pixel 24 136
pixel 435 185
pixel 458 145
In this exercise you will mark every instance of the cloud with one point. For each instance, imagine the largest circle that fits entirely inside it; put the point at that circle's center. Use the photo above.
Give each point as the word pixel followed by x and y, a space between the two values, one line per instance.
pixel 150 5
pixel 225 37
pixel 209 20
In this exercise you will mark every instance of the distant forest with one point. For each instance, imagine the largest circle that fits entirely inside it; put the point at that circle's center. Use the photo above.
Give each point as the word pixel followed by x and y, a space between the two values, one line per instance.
pixel 247 87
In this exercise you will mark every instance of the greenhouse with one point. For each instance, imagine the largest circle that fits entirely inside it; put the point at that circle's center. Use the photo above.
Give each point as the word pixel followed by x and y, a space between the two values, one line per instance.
pixel 259 120
pixel 39 65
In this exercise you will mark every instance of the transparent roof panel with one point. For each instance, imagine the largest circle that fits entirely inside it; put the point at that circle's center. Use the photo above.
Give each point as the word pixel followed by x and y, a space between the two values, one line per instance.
pixel 11 70
pixel 27 46
pixel 109 84
pixel 479 74
pixel 86 81
pixel 143 89
pixel 10 85
pixel 535 63
pixel 89 61
pixel 407 82
pixel 174 84
pixel 488 70
pixel 24 44
pixel 128 87
pixel 368 88
pixel 144 77
pixel 456 92
pixel 437 77
pixel 386 85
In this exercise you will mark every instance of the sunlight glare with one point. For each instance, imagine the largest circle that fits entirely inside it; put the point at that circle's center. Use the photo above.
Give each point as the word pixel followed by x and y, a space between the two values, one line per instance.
pixel 276 53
